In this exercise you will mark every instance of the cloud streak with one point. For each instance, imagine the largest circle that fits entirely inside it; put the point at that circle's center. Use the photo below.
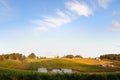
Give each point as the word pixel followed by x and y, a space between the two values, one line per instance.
pixel 104 3
pixel 80 9
pixel 52 22
pixel 74 9
pixel 3 3
pixel 116 14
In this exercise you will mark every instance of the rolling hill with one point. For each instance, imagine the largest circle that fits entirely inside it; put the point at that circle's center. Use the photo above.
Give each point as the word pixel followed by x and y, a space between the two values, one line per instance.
pixel 78 65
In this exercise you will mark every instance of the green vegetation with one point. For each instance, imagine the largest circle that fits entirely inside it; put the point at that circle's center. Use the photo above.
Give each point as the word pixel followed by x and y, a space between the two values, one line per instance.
pixel 32 56
pixel 78 65
pixel 6 74
pixel 9 63
pixel 13 68
pixel 67 63
pixel 12 56
pixel 72 56
pixel 111 56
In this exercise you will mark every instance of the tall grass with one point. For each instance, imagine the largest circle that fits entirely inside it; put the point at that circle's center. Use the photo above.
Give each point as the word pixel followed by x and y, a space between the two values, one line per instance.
pixel 6 74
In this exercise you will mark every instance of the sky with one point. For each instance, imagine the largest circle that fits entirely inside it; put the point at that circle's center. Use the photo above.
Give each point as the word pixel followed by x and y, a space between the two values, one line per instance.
pixel 52 28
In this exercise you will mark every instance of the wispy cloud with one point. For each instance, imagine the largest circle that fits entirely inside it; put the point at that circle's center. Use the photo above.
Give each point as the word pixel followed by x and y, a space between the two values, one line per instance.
pixel 74 9
pixel 3 3
pixel 104 3
pixel 116 14
pixel 80 9
pixel 52 22
pixel 115 26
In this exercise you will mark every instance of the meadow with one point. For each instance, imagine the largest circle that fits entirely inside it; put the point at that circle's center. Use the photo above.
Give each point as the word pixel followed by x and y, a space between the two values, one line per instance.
pixel 85 69
pixel 79 65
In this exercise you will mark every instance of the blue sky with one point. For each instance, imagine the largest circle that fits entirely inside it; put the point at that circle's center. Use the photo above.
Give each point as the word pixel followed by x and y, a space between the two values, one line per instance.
pixel 59 27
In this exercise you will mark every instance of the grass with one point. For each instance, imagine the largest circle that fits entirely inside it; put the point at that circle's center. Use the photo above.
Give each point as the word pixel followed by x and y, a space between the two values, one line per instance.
pixel 90 61
pixel 88 69
pixel 9 63
pixel 8 74
pixel 79 65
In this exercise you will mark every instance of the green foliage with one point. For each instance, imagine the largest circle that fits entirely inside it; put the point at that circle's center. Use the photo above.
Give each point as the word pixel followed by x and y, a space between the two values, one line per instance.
pixel 72 56
pixel 12 56
pixel 1 58
pixel 34 64
pixel 32 56
pixel 69 56
pixel 63 63
pixel 78 56
pixel 111 56
pixel 6 74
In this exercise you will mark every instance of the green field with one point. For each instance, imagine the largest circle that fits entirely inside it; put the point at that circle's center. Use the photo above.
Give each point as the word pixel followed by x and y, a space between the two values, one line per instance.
pixel 79 65
pixel 85 69
pixel 8 74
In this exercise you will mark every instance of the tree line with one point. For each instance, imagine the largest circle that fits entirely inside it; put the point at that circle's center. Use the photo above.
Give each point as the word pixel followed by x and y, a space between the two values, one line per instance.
pixel 16 56
pixel 72 56
pixel 12 56
pixel 19 56
pixel 110 56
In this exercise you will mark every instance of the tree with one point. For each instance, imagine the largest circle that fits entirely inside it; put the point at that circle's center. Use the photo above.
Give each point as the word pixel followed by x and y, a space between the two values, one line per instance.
pixel 23 58
pixel 12 56
pixel 69 56
pixel 1 58
pixel 78 56
pixel 110 56
pixel 6 56
pixel 32 56
pixel 15 56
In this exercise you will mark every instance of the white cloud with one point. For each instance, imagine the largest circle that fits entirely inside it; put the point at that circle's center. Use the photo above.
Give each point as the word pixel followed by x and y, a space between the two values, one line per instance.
pixel 115 26
pixel 104 3
pixel 53 22
pixel 80 9
pixel 74 10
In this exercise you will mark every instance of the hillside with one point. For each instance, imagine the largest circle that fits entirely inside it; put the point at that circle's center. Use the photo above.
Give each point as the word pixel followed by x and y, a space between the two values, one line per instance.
pixel 79 65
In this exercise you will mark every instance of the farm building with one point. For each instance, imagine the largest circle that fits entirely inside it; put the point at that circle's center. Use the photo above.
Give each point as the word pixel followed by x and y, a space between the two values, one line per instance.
pixel 63 70
pixel 66 70
pixel 56 71
pixel 44 70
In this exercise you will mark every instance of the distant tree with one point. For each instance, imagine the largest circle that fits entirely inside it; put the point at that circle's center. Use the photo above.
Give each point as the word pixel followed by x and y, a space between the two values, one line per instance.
pixel 37 57
pixel 23 58
pixel 6 56
pixel 15 56
pixel 41 57
pixel 1 58
pixel 78 56
pixel 32 56
pixel 69 56
pixel 110 56
pixel 12 56
pixel 57 56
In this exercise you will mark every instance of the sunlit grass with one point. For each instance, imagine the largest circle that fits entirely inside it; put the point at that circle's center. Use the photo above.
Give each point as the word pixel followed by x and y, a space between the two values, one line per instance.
pixel 79 65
